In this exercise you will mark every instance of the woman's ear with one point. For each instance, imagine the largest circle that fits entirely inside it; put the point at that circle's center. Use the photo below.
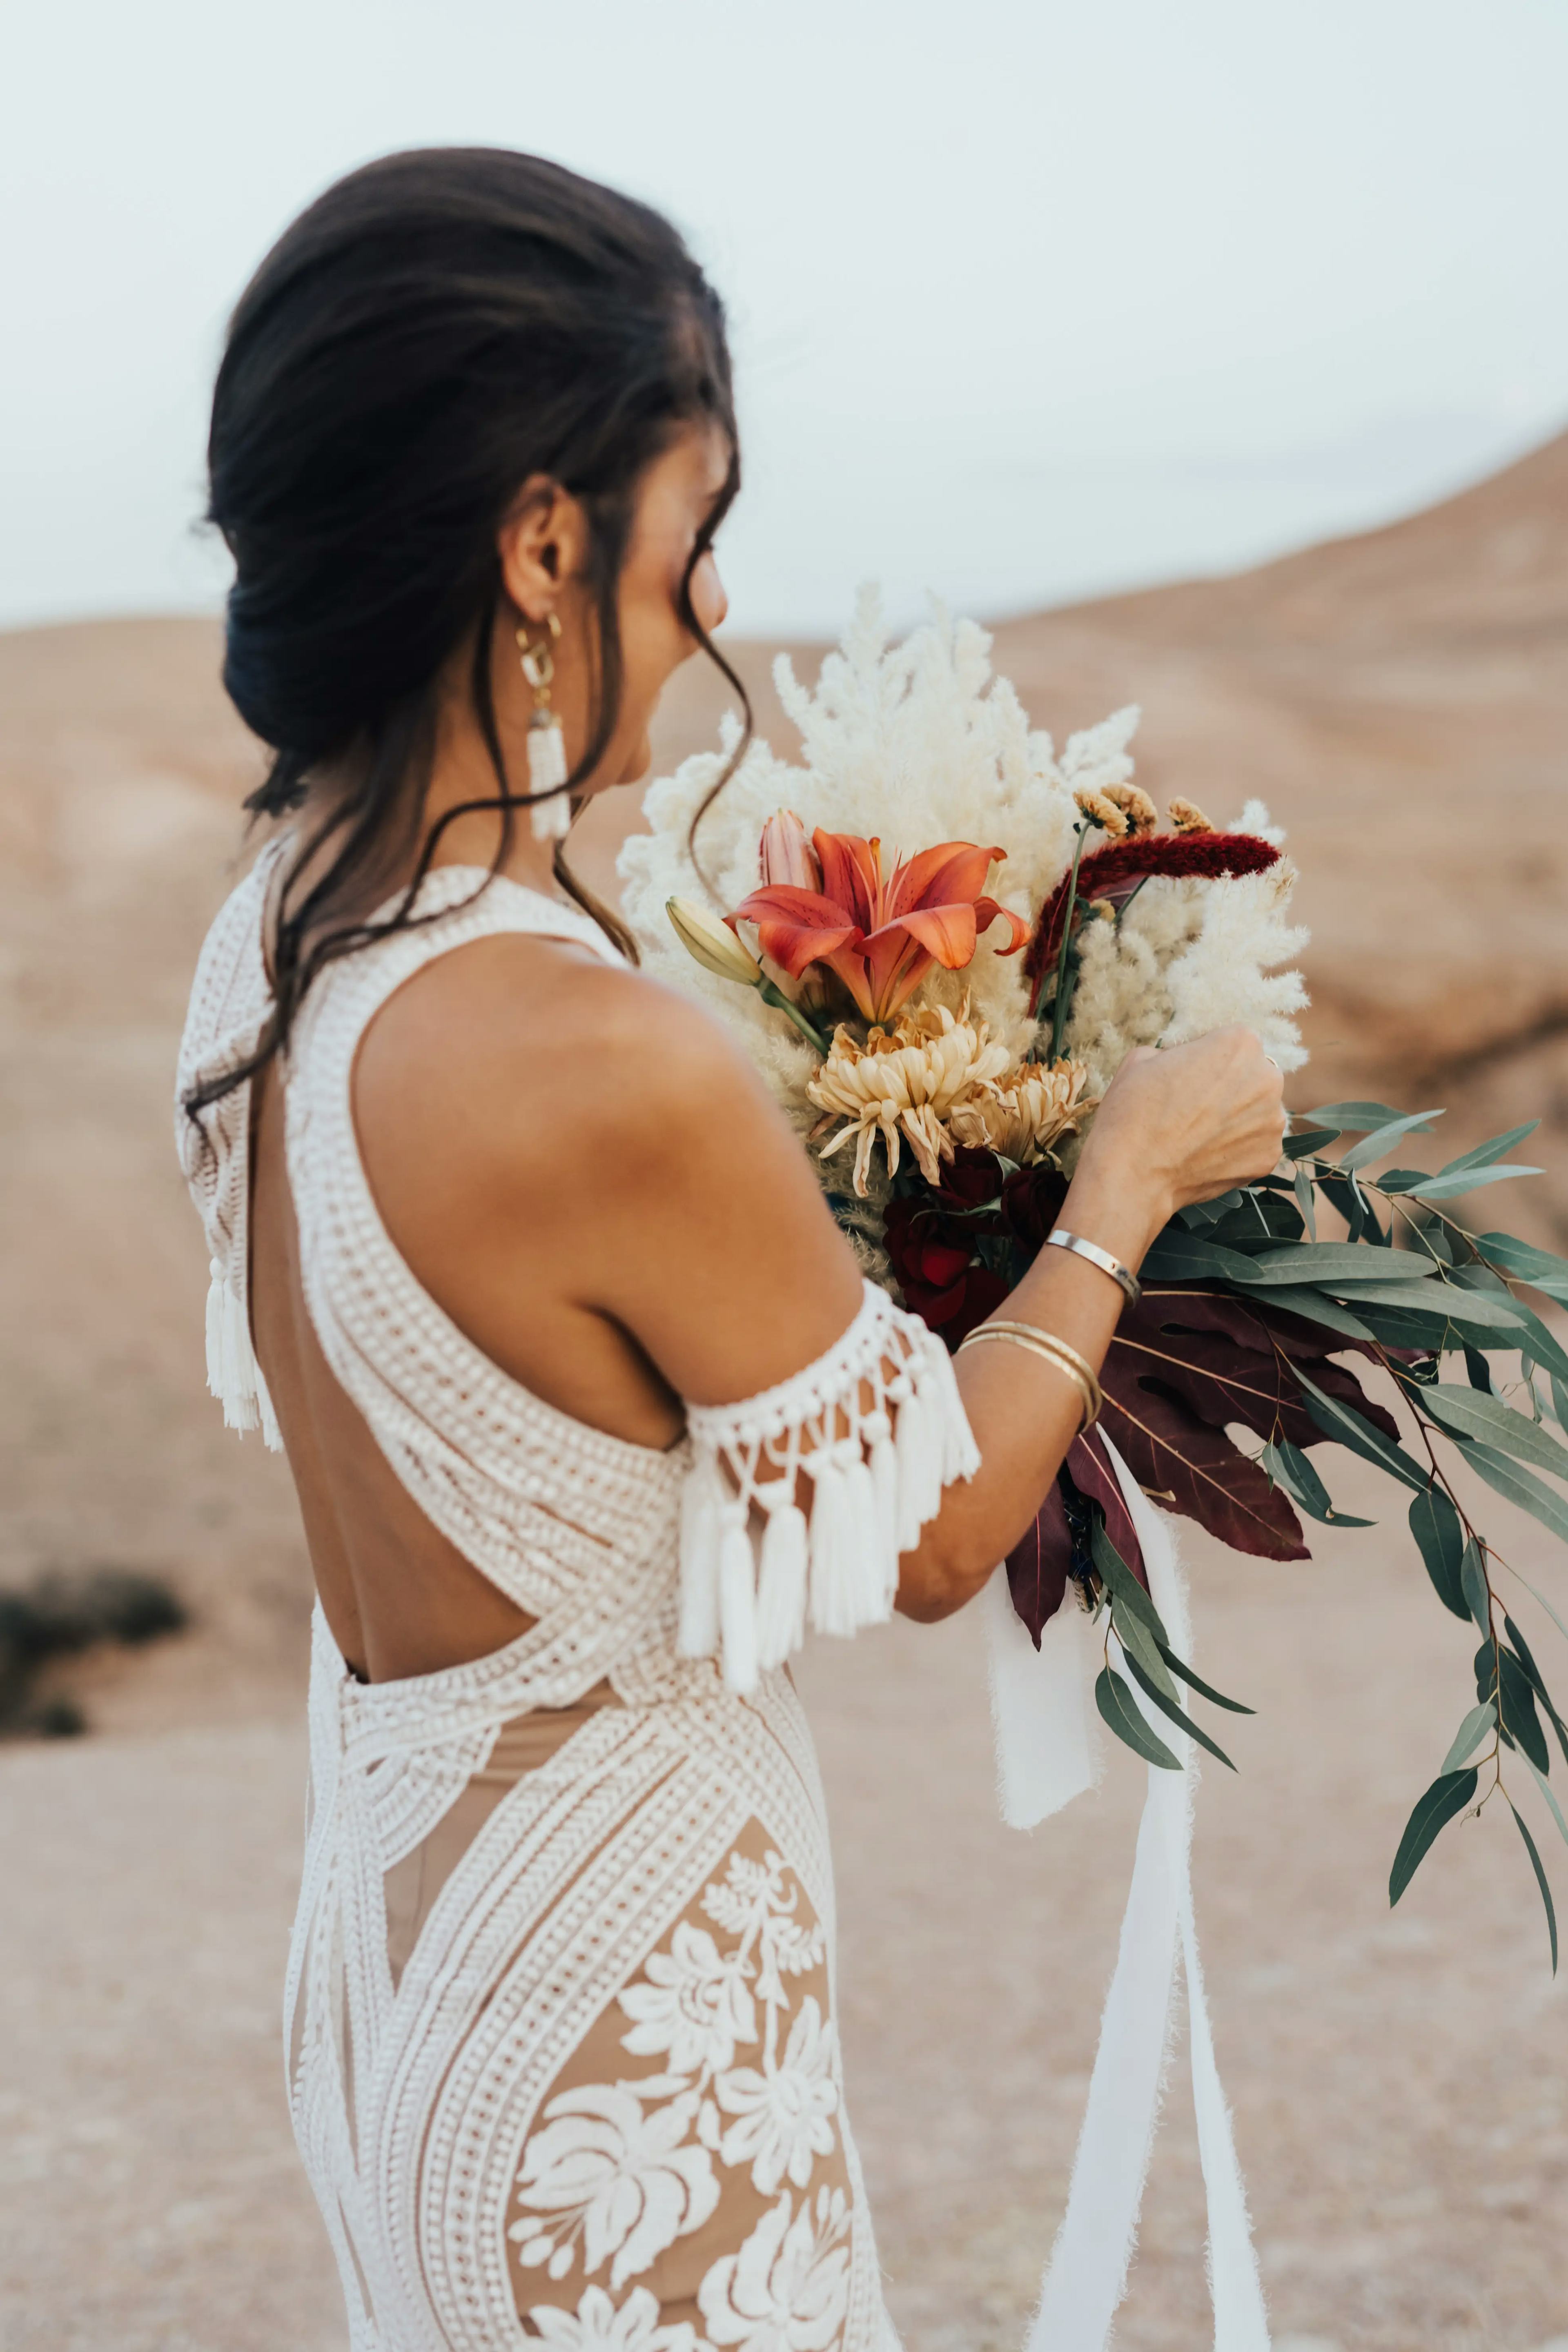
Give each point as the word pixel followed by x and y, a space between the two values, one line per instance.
pixel 543 543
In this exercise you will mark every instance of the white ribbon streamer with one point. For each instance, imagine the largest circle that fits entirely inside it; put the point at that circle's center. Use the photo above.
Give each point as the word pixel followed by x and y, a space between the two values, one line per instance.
pixel 1038 1772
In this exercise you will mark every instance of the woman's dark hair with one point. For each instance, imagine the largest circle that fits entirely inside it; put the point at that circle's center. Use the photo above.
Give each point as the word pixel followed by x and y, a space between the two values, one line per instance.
pixel 432 332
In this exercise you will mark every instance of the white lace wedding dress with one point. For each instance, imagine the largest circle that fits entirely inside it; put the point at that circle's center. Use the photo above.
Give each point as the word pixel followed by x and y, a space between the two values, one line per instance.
pixel 560 2011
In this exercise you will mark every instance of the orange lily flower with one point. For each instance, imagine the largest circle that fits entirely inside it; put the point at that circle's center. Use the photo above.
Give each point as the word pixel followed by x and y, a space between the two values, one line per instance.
pixel 880 932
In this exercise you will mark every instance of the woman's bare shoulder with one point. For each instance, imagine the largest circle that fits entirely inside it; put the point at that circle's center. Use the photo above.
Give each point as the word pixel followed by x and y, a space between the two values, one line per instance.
pixel 525 1105
pixel 521 1040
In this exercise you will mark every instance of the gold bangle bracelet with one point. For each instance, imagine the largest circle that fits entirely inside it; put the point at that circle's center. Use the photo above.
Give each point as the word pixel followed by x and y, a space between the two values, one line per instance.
pixel 1063 1348
pixel 1051 1350
pixel 1051 1339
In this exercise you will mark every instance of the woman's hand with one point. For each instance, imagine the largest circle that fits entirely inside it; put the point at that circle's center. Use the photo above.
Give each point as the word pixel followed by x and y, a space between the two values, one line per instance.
pixel 1179 1126
pixel 1192 1122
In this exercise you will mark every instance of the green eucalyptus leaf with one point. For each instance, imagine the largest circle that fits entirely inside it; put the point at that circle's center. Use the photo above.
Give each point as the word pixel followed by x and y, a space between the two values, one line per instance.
pixel 1402 1179
pixel 1305 1203
pixel 1560 1400
pixel 1469 1179
pixel 1437 1531
pixel 1382 1138
pixel 1121 1711
pixel 1546 1604
pixel 1195 1682
pixel 1545 1346
pixel 1510 1478
pixel 1544 1785
pixel 1330 1264
pixel 1540 1880
pixel 1469 1415
pixel 1311 1141
pixel 1314 1308
pixel 1342 1423
pixel 1428 1299
pixel 1356 1117
pixel 1525 1263
pixel 1179 1256
pixel 1289 1467
pixel 1493 1148
pixel 1469 1736
pixel 1537 1681
pixel 1122 1584
pixel 1470 1289
pixel 1449 1794
pixel 1517 1709
pixel 1169 1706
pixel 1473 1585
pixel 1348 1198
pixel 1141 1649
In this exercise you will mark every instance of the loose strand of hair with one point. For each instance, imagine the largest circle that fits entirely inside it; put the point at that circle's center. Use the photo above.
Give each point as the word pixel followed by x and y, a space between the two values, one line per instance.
pixel 728 493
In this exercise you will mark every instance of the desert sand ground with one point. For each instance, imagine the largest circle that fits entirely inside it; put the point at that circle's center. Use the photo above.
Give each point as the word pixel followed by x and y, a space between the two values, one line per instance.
pixel 1400 2084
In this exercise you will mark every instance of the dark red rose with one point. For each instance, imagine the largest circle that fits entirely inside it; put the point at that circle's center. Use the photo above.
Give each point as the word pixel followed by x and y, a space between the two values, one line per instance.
pixel 943 1281
pixel 1031 1202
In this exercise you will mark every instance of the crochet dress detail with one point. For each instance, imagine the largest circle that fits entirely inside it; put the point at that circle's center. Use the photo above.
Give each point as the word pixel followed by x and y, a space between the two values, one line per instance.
pixel 559 2010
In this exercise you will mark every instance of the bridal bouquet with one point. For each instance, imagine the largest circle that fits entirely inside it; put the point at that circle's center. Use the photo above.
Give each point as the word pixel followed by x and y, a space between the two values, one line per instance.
pixel 940 1022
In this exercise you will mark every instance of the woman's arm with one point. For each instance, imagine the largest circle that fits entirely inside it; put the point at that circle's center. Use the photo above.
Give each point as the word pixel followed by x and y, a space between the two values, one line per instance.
pixel 728 1269
pixel 593 1180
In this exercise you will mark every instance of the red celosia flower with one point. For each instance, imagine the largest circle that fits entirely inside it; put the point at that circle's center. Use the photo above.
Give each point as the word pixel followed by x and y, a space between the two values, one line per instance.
pixel 1114 872
pixel 881 933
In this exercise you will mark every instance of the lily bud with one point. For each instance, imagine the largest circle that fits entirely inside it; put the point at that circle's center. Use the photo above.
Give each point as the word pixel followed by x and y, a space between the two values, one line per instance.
pixel 711 943
pixel 787 854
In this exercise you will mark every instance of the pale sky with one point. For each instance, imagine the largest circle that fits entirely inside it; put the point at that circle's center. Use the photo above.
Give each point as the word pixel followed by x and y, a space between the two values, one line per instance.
pixel 1030 299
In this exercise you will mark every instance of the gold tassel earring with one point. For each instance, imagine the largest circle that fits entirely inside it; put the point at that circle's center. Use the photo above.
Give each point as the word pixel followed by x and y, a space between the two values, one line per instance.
pixel 547 772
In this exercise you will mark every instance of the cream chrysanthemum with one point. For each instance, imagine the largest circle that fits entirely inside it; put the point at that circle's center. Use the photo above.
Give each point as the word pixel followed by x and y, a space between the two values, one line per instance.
pixel 1032 1109
pixel 904 1083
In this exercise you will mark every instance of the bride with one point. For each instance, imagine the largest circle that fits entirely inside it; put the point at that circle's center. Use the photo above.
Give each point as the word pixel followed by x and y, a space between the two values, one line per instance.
pixel 516 1259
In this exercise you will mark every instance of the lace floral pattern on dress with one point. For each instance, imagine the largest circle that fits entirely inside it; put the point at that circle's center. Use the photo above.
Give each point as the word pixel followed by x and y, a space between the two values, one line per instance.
pixel 616 2172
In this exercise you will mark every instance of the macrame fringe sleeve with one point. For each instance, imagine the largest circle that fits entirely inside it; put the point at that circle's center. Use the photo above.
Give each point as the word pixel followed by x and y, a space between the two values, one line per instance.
pixel 800 1501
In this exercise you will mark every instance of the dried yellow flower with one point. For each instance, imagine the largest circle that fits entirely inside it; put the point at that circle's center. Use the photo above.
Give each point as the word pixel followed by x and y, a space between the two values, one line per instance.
pixel 1103 811
pixel 1136 806
pixel 1187 817
pixel 902 1084
pixel 1032 1109
pixel 1103 910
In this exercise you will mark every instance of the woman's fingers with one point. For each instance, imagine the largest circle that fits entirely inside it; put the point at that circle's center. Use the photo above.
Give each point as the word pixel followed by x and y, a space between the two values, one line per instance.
pixel 1200 1117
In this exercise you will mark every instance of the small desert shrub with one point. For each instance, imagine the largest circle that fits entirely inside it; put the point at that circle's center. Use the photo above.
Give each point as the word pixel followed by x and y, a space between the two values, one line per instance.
pixel 57 1614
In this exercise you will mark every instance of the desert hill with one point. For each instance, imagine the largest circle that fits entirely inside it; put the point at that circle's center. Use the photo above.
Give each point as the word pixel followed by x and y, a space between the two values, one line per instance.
pixel 1400 698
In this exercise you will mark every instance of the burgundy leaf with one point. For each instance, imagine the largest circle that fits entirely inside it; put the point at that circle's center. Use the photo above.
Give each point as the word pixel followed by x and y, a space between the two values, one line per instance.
pixel 1038 1565
pixel 1090 1471
pixel 1221 1339
pixel 1190 1467
pixel 1221 1382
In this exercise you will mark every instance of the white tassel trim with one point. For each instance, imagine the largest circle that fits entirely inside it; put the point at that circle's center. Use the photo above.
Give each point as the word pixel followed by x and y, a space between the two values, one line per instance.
pixel 864 1439
pixel 233 1376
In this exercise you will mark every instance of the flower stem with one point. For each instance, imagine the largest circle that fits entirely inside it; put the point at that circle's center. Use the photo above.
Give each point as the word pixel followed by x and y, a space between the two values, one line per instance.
pixel 1061 1003
pixel 774 996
